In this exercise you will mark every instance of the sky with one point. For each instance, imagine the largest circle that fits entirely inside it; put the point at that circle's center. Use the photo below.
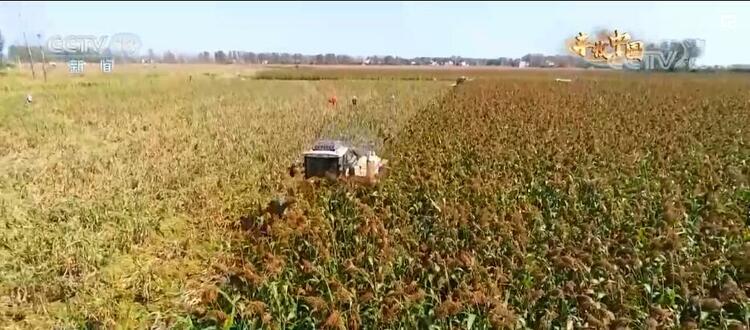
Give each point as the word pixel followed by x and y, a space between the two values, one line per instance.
pixel 407 29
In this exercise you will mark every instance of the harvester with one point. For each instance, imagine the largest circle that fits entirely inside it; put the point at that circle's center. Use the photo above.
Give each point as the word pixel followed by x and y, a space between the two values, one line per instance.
pixel 334 158
pixel 460 80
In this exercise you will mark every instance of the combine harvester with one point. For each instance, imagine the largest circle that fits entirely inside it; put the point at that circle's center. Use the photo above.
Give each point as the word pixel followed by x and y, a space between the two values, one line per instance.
pixel 460 80
pixel 335 159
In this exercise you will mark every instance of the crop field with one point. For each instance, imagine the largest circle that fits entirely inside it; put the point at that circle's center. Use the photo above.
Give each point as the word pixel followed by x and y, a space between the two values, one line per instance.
pixel 115 191
pixel 430 73
pixel 511 201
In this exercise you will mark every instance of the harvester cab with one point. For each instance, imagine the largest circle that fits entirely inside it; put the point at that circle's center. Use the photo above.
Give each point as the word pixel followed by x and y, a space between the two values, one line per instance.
pixel 460 80
pixel 335 158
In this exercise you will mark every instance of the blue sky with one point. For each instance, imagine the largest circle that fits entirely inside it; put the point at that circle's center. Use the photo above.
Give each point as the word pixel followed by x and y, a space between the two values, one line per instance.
pixel 470 29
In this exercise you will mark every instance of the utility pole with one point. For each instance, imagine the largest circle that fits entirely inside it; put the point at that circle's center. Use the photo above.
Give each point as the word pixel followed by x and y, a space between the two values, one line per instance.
pixel 31 58
pixel 41 49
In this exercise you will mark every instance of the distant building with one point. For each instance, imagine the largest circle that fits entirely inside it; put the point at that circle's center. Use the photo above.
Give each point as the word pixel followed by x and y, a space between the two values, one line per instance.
pixel 523 64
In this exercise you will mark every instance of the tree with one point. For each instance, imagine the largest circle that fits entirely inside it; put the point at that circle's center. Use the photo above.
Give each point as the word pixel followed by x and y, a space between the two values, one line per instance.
pixel 22 53
pixel 2 44
pixel 263 58
pixel 151 55
pixel 274 58
pixel 375 60
pixel 220 57
pixel 534 60
pixel 675 55
pixel 344 59
pixel 502 61
pixel 692 49
pixel 285 58
pixel 169 57
pixel 204 57
pixel 330 58
pixel 251 57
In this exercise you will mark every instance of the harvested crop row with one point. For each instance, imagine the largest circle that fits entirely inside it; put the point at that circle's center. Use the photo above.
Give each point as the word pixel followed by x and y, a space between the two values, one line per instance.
pixel 115 190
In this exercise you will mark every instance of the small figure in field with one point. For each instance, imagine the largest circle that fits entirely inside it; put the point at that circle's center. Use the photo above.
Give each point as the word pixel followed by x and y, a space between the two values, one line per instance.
pixel 354 100
pixel 293 170
pixel 279 205
pixel 332 100
pixel 29 99
pixel 190 78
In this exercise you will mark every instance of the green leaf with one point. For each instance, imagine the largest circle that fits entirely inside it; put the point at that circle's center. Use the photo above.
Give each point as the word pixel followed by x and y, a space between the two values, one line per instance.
pixel 470 321
pixel 229 322
pixel 274 291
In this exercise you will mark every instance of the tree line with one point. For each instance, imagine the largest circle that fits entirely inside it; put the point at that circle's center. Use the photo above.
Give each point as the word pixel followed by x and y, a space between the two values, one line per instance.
pixel 685 51
pixel 246 57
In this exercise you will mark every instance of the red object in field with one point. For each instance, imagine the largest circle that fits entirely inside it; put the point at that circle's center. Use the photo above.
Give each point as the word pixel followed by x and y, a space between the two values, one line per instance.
pixel 332 100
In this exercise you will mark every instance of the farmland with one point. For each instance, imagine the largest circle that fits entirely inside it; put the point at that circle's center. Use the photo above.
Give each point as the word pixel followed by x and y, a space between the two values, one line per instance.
pixel 116 190
pixel 139 199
